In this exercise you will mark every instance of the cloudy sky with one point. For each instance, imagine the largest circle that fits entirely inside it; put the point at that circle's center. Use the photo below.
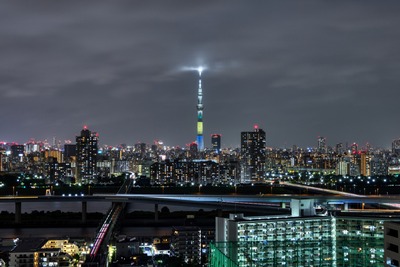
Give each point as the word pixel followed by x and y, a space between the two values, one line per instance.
pixel 299 71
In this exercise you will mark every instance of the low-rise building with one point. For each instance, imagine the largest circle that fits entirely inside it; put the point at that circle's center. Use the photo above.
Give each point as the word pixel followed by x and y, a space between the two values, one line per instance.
pixel 39 252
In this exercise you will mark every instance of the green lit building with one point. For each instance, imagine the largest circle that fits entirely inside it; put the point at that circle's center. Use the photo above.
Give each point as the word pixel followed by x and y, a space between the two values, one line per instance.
pixel 359 241
pixel 303 238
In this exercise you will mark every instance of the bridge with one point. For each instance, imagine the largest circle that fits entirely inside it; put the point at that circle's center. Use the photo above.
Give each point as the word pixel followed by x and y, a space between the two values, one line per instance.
pixel 257 202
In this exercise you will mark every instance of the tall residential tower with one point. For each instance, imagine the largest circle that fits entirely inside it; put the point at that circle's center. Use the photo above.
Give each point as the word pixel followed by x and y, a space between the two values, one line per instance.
pixel 86 156
pixel 253 156
pixel 200 139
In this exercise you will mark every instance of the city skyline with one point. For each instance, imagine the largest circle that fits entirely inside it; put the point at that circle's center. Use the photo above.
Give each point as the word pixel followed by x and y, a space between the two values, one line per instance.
pixel 55 142
pixel 299 71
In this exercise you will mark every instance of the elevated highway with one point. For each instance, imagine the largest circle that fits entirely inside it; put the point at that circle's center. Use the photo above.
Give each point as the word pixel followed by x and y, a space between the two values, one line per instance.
pixel 257 202
pixel 200 200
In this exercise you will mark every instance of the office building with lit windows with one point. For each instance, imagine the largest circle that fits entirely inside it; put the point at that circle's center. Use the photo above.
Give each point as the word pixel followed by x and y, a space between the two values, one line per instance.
pixel 86 156
pixel 253 155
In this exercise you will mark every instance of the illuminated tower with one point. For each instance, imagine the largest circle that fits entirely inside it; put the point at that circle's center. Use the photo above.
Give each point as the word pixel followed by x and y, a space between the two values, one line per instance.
pixel 200 140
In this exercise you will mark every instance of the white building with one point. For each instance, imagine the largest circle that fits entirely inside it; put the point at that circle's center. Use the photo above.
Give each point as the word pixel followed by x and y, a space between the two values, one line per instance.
pixel 299 239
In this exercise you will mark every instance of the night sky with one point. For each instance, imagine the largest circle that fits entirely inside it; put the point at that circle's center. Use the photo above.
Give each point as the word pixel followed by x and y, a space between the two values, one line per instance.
pixel 298 70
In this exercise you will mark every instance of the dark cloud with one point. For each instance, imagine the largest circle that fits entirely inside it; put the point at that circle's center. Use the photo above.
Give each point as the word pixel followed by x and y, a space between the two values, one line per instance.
pixel 298 70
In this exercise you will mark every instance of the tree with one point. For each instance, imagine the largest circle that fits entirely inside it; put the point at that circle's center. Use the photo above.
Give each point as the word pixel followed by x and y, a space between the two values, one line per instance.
pixel 165 210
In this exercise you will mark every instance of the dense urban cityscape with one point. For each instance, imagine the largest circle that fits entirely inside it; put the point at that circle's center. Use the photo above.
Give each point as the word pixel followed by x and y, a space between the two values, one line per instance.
pixel 300 230
pixel 87 162
pixel 43 168
pixel 303 228
pixel 277 100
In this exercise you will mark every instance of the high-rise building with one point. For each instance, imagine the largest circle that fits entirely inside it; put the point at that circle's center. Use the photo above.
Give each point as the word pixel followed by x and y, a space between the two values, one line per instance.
pixel 57 154
pixel 304 238
pixel 365 164
pixel 379 165
pixel 396 146
pixel 216 142
pixel 193 149
pixel 354 148
pixel 69 151
pixel 343 167
pixel 186 242
pixel 200 138
pixel 17 152
pixel 32 146
pixel 140 149
pixel 301 239
pixel 253 155
pixel 86 152
pixel 321 145
pixel 339 148
pixel 359 240
pixel 392 241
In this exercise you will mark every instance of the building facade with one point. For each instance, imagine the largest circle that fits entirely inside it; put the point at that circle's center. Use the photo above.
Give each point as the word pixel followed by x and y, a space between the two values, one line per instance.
pixel 39 252
pixel 304 238
pixel 186 242
pixel 300 239
pixel 216 143
pixel 392 243
pixel 253 155
pixel 86 156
